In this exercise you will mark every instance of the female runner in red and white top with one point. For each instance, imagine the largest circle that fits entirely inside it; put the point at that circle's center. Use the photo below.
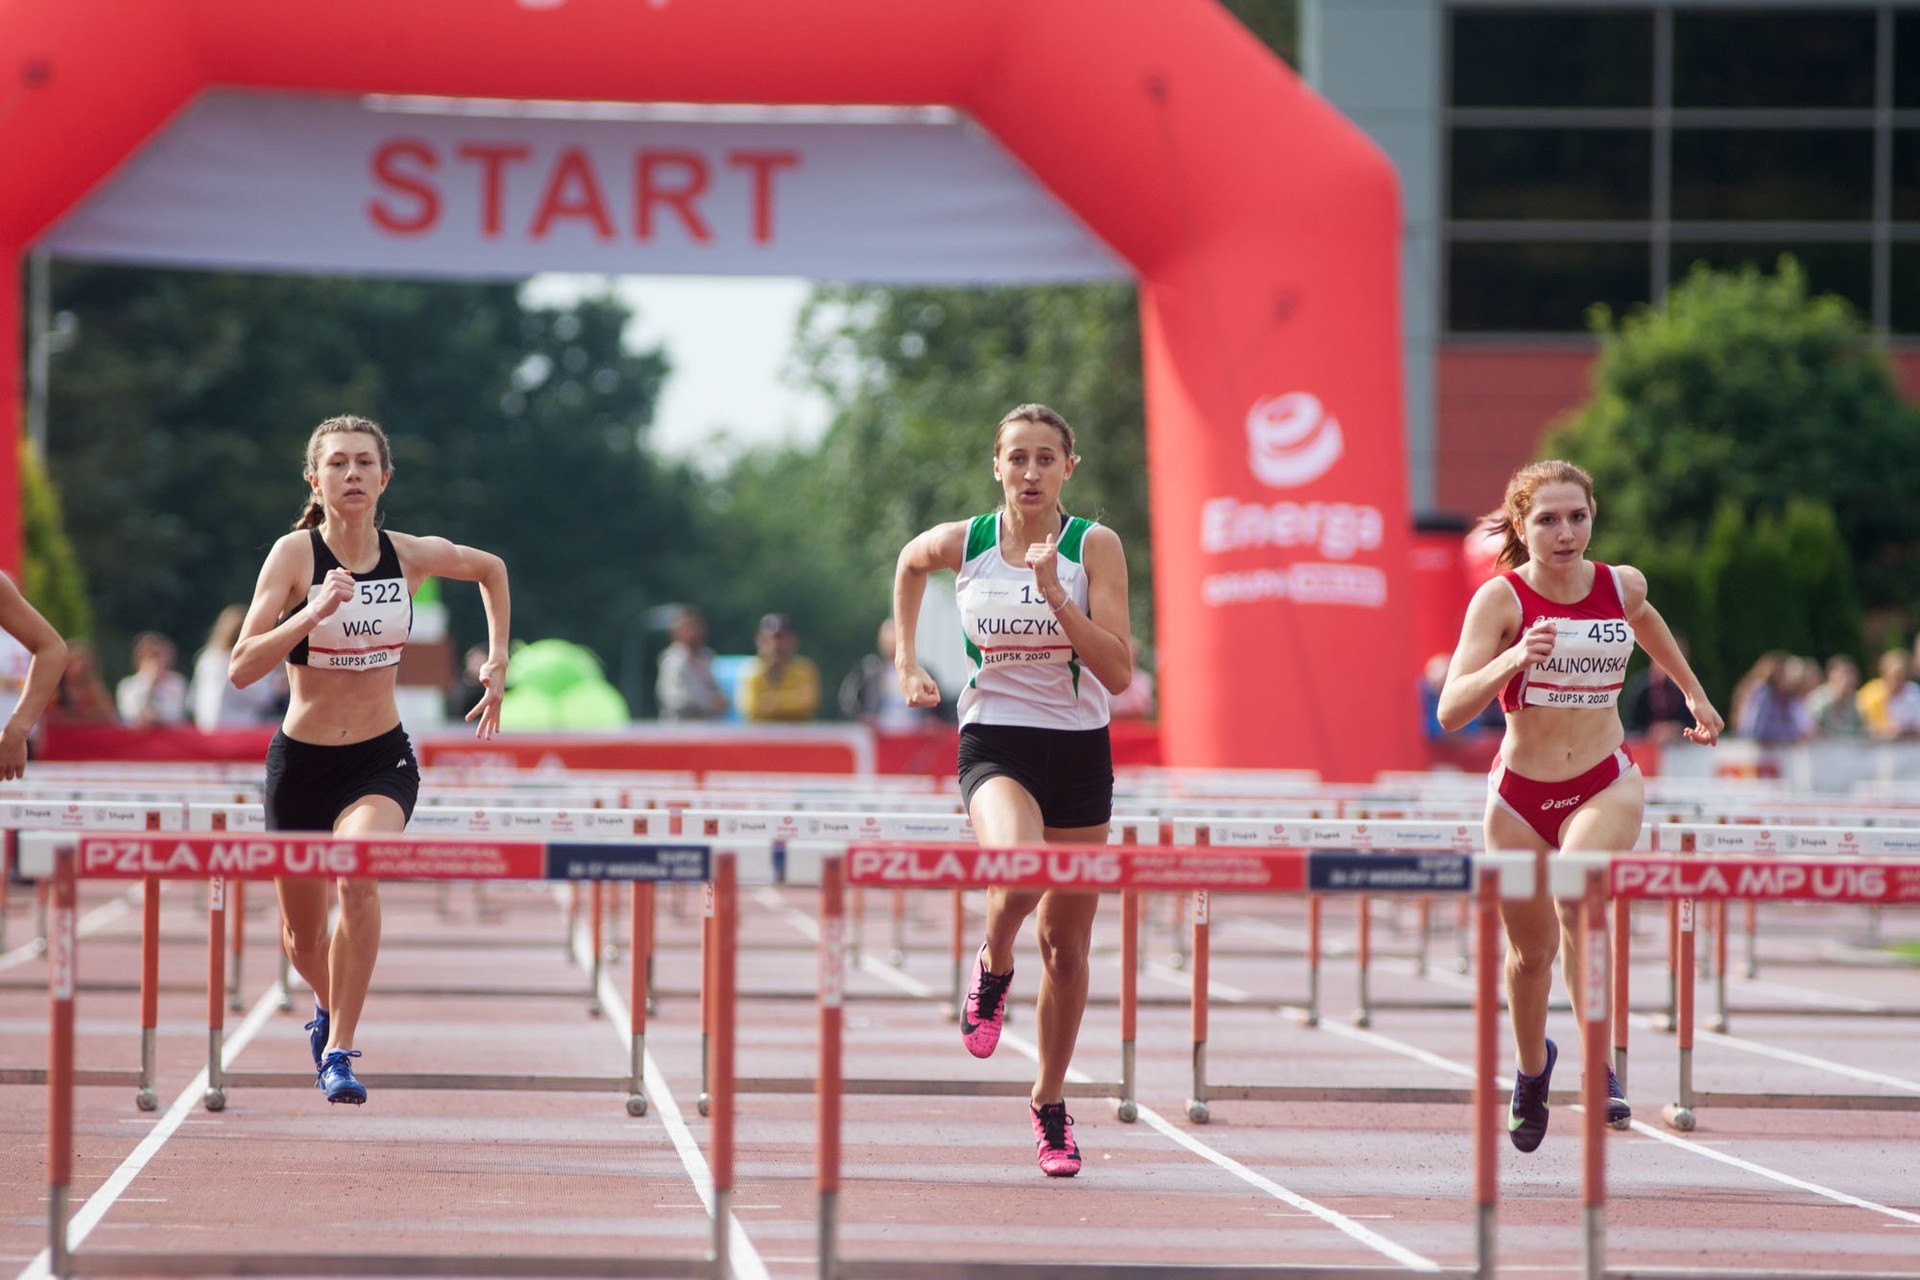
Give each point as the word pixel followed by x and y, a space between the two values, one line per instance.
pixel 1551 636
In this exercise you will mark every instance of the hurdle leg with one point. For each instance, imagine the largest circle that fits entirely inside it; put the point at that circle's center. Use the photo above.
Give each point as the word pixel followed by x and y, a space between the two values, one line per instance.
pixel 833 980
pixel 215 1097
pixel 1721 914
pixel 1310 1016
pixel 857 934
pixel 707 958
pixel 897 954
pixel 959 954
pixel 1666 1019
pixel 1679 1113
pixel 1486 1090
pixel 62 940
pixel 1125 1108
pixel 611 933
pixel 1422 930
pixel 573 918
pixel 145 1097
pixel 40 895
pixel 639 954
pixel 1750 968
pixel 596 893
pixel 1197 1103
pixel 726 924
pixel 1177 925
pixel 286 981
pixel 237 909
pixel 1363 957
pixel 1593 1086
pixel 8 840
pixel 1622 935
pixel 1463 938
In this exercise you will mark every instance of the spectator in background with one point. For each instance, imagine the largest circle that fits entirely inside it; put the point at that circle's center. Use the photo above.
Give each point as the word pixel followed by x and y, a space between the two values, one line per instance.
pixel 1770 701
pixel 155 693
pixel 1832 706
pixel 871 692
pixel 82 697
pixel 1890 702
pixel 779 684
pixel 467 688
pixel 1653 706
pixel 216 703
pixel 686 688
pixel 1136 701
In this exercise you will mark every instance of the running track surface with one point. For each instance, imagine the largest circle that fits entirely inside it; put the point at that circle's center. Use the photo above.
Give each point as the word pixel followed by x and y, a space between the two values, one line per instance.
pixel 469 1172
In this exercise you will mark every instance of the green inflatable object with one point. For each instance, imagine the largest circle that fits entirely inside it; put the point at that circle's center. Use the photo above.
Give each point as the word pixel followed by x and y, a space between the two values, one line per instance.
pixel 557 685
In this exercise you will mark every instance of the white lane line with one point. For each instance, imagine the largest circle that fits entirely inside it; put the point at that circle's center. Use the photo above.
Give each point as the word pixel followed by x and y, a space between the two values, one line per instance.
pixel 1379 1041
pixel 92 922
pixel 191 1099
pixel 746 1260
pixel 1026 1048
pixel 1742 1044
pixel 1332 1217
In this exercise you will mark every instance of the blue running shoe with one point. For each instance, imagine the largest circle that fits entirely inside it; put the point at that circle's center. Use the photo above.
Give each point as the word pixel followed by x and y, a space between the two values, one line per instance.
pixel 1527 1120
pixel 336 1077
pixel 317 1034
pixel 1619 1114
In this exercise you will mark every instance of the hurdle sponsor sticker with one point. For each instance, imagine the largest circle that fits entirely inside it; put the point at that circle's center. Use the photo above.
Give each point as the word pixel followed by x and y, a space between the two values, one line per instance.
pixel 257 856
pixel 1091 867
pixel 1346 871
pixel 1768 878
pixel 678 863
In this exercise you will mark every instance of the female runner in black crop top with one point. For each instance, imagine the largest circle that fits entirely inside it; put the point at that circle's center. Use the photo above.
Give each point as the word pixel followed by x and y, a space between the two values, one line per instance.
pixel 341 762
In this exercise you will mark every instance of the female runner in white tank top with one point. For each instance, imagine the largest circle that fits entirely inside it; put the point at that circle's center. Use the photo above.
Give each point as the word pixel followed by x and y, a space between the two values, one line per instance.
pixel 1043 600
pixel 333 602
pixel 1551 638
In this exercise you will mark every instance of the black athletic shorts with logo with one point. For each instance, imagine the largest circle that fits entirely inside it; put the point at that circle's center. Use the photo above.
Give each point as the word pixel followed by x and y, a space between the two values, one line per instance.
pixel 1069 771
pixel 308 786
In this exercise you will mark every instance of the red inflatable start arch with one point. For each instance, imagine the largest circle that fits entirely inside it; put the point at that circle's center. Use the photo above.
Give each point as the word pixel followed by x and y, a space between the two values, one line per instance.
pixel 1262 227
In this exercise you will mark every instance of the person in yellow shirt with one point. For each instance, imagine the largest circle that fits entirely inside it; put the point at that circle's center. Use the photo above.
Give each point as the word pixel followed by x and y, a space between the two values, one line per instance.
pixel 1890 703
pixel 778 684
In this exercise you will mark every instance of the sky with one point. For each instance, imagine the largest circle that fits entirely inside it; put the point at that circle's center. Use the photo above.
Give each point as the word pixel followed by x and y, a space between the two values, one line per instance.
pixel 729 338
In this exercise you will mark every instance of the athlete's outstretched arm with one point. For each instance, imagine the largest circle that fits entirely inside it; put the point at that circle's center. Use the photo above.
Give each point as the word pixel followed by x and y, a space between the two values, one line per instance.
pixel 24 623
pixel 265 640
pixel 440 557
pixel 941 547
pixel 1488 654
pixel 1650 630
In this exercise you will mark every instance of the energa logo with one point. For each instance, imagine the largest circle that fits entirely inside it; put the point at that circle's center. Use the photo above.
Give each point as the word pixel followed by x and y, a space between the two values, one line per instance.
pixel 1292 440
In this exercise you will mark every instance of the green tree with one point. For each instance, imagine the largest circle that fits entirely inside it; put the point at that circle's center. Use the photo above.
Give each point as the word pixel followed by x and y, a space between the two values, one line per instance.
pixel 1740 388
pixel 180 417
pixel 50 575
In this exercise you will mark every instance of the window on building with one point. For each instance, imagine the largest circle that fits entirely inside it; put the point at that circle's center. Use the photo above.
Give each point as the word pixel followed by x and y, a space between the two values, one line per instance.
pixel 1559 58
pixel 1507 287
pixel 1772 175
pixel 1556 115
pixel 1773 57
pixel 1516 173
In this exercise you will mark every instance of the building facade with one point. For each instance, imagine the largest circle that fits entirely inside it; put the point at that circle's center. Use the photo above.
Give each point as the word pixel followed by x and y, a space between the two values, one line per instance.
pixel 1555 154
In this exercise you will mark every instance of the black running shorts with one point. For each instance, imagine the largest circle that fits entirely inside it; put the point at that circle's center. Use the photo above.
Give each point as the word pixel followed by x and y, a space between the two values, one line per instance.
pixel 1068 771
pixel 309 786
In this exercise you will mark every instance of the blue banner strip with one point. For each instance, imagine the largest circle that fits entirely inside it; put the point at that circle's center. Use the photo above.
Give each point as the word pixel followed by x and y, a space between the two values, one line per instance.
pixel 1348 871
pixel 678 863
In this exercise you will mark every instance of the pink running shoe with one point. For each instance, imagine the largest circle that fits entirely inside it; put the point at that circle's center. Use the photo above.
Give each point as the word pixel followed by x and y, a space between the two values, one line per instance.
pixel 1053 1143
pixel 984 1009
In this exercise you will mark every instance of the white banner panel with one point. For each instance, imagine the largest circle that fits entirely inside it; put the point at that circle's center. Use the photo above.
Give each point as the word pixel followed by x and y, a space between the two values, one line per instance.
pixel 280 182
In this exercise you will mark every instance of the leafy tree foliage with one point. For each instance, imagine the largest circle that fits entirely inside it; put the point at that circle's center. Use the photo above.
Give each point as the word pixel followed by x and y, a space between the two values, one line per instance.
pixel 50 575
pixel 1740 388
pixel 179 422
pixel 920 377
